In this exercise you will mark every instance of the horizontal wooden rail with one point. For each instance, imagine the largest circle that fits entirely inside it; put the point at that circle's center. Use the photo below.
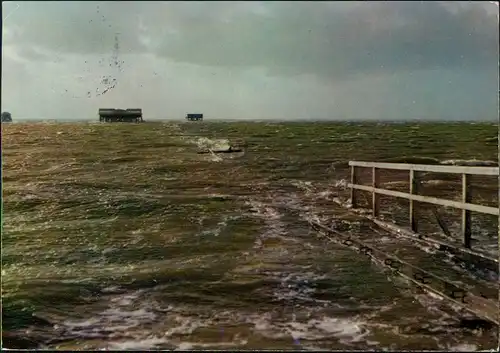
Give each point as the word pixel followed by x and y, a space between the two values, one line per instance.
pixel 414 169
pixel 434 200
pixel 452 169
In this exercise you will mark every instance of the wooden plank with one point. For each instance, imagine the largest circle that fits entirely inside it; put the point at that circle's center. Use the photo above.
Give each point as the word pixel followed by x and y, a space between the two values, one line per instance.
pixel 375 196
pixel 452 169
pixel 466 215
pixel 414 183
pixel 486 308
pixel 425 240
pixel 354 180
pixel 427 199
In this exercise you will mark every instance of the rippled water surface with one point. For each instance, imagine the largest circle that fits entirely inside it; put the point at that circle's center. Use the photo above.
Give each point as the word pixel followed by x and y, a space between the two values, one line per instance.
pixel 122 236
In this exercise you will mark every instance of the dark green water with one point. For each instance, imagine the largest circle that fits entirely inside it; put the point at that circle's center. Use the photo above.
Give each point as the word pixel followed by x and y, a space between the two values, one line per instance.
pixel 123 236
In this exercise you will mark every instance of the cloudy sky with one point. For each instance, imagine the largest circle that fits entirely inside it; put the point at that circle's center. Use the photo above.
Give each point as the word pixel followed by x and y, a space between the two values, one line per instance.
pixel 252 60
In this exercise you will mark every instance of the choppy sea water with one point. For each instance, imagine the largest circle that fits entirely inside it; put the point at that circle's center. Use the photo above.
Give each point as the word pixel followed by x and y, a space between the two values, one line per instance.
pixel 172 249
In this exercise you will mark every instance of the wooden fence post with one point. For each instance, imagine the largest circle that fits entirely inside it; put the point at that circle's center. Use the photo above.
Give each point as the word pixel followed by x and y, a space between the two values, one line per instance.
pixel 466 214
pixel 414 183
pixel 375 196
pixel 354 180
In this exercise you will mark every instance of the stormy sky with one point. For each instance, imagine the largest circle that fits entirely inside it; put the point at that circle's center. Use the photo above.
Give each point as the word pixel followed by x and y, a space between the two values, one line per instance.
pixel 252 60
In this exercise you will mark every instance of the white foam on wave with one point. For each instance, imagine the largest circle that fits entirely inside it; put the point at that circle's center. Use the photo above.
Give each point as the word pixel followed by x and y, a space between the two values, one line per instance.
pixel 341 184
pixel 120 316
pixel 296 286
pixel 433 304
pixel 463 347
pixel 275 227
pixel 205 143
pixel 213 144
pixel 131 322
pixel 142 344
pixel 470 162
pixel 184 326
pixel 186 346
pixel 345 331
pixel 220 226
pixel 305 186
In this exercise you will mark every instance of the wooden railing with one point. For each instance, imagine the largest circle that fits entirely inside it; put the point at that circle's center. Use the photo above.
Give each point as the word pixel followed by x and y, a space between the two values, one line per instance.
pixel 466 206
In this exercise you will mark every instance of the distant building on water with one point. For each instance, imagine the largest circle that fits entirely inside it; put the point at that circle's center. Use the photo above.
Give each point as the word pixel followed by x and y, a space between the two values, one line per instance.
pixel 109 115
pixel 6 117
pixel 194 117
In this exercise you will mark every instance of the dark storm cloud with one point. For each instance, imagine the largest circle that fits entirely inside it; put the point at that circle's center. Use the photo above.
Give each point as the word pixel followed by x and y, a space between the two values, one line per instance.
pixel 337 39
pixel 327 39
pixel 75 27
